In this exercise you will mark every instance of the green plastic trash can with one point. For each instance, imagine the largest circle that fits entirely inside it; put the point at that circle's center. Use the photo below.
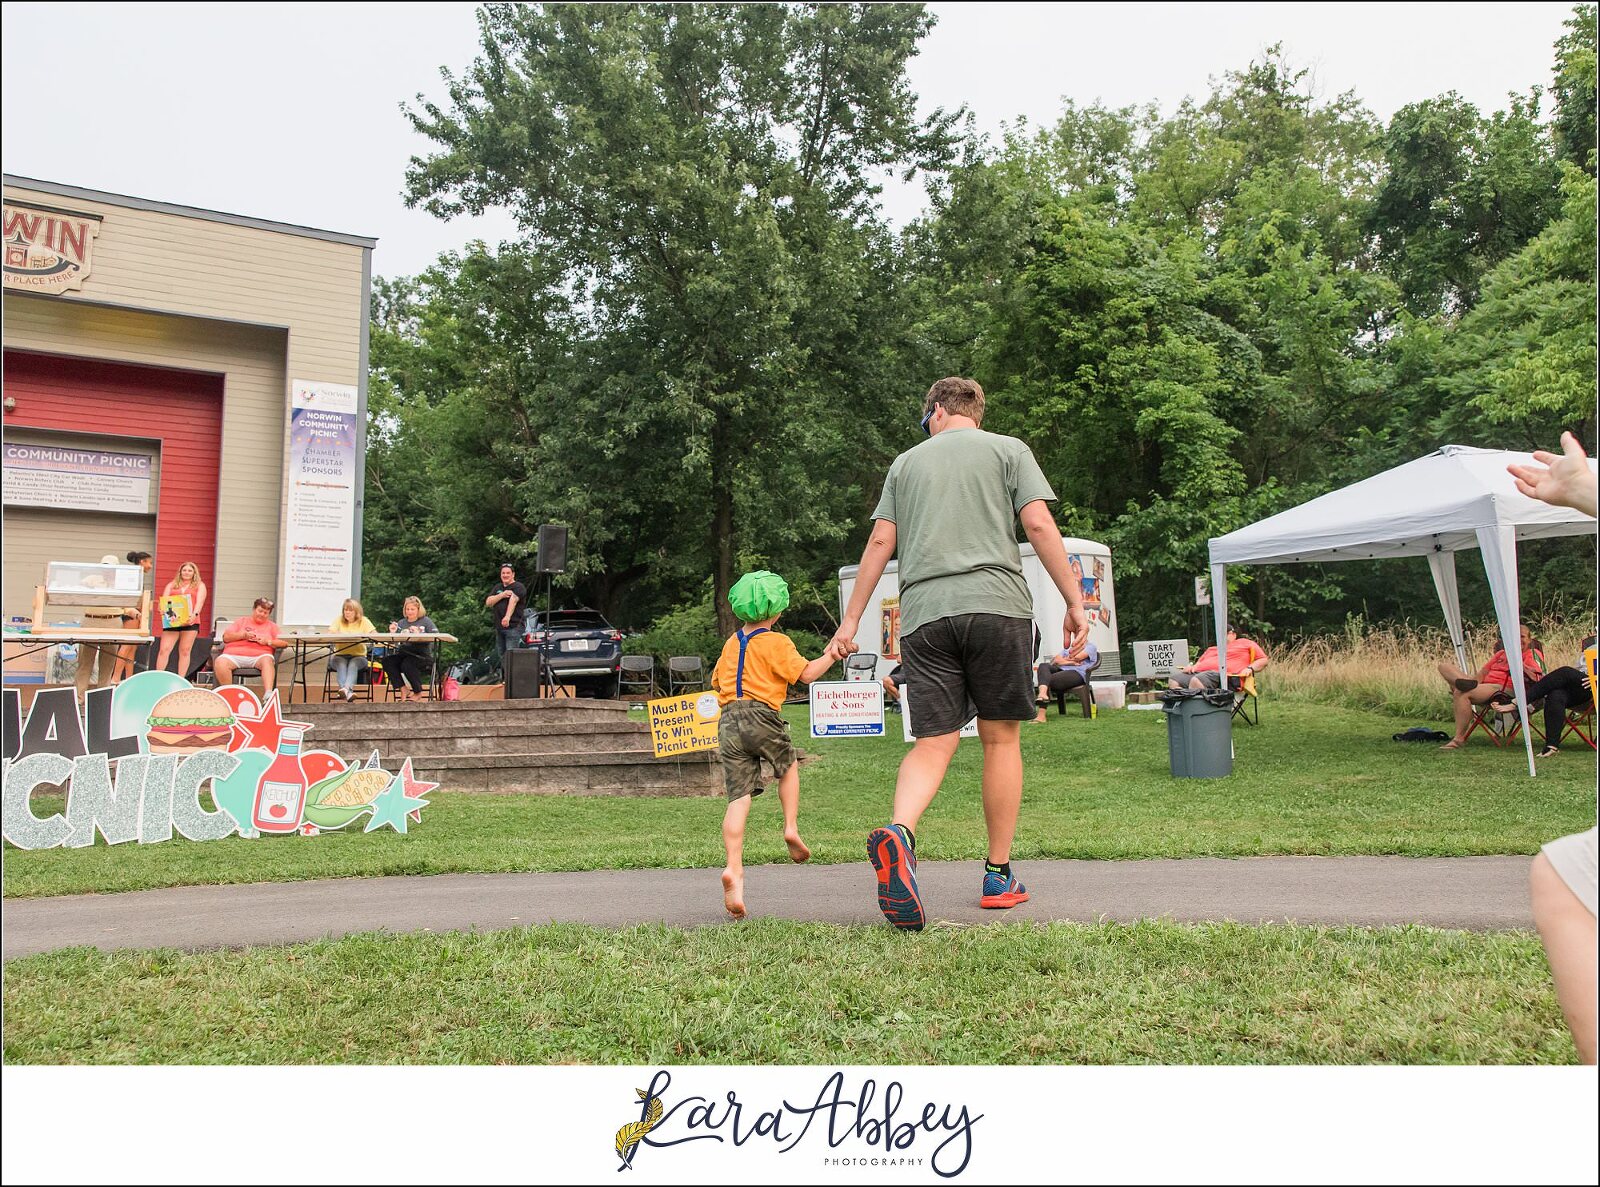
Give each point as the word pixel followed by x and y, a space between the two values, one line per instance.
pixel 1199 734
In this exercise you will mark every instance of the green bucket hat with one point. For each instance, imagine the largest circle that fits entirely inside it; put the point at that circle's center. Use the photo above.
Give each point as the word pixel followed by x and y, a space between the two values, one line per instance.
pixel 758 595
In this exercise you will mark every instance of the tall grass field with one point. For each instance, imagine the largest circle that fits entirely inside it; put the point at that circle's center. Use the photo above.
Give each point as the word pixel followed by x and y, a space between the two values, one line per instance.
pixel 1395 669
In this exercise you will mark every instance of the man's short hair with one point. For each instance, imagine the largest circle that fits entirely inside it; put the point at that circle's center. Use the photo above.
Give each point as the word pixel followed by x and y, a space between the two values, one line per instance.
pixel 959 397
pixel 508 565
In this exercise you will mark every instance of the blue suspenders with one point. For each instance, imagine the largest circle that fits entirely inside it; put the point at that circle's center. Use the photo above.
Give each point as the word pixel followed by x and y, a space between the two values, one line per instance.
pixel 744 641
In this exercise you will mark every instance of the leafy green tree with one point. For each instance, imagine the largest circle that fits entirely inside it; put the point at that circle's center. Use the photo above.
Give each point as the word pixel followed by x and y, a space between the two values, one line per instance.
pixel 1460 194
pixel 704 174
pixel 1575 91
pixel 1525 356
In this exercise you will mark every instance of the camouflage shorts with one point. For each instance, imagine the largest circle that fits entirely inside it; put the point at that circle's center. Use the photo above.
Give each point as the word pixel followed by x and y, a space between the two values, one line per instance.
pixel 749 732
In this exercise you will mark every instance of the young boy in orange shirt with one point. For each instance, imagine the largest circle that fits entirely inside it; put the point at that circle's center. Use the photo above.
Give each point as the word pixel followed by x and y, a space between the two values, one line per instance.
pixel 751 680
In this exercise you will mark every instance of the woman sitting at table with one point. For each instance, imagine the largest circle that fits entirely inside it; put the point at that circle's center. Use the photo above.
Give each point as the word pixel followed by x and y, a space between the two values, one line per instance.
pixel 348 660
pixel 410 659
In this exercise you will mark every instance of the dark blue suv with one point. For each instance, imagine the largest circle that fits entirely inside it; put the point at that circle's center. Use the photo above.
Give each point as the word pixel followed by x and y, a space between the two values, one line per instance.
pixel 580 648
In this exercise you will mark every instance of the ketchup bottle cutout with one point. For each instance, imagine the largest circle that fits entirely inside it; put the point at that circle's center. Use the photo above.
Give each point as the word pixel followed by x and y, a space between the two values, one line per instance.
pixel 281 793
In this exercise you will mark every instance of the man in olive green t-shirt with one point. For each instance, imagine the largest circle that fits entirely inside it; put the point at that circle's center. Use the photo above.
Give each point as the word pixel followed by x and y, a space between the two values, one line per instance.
pixel 949 508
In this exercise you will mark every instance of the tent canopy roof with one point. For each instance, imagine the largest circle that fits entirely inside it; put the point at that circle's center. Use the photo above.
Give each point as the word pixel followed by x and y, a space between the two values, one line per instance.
pixel 1434 504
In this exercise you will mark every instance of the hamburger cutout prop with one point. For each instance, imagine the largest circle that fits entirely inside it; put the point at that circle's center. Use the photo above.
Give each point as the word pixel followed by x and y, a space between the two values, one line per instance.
pixel 188 720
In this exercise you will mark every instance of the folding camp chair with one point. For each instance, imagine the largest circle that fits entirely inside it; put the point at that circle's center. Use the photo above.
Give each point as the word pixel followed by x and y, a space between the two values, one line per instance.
pixel 1500 727
pixel 1246 699
pixel 1578 722
pixel 1581 723
pixel 863 665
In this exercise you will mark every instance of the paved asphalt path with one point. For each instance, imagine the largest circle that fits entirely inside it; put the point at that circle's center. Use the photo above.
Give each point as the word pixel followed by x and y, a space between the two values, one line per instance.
pixel 1475 893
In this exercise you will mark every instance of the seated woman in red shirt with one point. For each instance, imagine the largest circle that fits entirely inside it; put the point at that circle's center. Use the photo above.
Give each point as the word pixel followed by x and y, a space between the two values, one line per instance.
pixel 1493 680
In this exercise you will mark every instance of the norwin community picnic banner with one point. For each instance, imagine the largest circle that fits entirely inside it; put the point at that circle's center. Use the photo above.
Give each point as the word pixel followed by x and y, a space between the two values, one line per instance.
pixel 320 521
pixel 170 742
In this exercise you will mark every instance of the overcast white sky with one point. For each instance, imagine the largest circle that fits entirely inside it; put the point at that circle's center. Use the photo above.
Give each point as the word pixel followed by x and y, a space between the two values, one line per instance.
pixel 291 112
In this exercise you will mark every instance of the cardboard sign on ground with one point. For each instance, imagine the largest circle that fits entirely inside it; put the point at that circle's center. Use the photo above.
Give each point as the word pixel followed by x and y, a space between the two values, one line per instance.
pixel 681 724
pixel 847 709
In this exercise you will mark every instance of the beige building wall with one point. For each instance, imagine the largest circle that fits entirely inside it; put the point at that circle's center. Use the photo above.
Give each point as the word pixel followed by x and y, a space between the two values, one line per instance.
pixel 262 304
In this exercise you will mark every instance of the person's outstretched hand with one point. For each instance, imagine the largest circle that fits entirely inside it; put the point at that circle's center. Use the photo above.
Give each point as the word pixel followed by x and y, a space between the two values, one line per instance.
pixel 1564 481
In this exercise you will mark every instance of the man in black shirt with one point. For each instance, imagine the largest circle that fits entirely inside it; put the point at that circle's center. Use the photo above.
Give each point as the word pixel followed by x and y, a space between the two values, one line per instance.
pixel 506 603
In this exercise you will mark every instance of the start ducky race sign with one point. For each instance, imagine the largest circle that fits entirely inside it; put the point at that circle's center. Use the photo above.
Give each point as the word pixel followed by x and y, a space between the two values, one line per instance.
pixel 189 761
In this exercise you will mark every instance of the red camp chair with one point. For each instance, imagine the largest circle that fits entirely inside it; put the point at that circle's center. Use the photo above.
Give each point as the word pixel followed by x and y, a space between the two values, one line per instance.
pixel 1501 728
pixel 1579 722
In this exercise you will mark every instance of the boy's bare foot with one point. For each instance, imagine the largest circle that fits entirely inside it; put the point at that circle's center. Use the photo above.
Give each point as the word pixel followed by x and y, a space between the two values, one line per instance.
pixel 797 847
pixel 733 894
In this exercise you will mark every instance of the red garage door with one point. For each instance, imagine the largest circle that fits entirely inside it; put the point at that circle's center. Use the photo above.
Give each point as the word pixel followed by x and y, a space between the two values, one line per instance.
pixel 181 409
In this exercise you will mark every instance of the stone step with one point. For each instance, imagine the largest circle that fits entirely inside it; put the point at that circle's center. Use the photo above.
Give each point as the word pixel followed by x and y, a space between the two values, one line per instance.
pixel 600 773
pixel 558 746
pixel 460 715
pixel 443 737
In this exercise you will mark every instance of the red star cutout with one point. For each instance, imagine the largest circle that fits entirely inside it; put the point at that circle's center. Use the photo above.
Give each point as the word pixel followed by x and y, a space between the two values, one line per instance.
pixel 267 730
pixel 414 787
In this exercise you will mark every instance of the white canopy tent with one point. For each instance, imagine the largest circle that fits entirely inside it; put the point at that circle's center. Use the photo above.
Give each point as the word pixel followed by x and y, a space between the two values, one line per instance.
pixel 1457 498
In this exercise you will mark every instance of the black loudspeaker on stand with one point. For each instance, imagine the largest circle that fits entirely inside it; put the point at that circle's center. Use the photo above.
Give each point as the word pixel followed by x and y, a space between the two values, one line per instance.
pixel 552 548
pixel 524 673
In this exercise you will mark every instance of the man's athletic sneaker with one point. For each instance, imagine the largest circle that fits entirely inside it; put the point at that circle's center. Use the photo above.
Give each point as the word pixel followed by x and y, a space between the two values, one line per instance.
pixel 1000 890
pixel 889 850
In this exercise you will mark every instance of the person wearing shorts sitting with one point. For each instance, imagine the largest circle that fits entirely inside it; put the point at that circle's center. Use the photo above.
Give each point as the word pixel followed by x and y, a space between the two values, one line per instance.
pixel 1245 657
pixel 251 642
pixel 1561 690
pixel 1493 680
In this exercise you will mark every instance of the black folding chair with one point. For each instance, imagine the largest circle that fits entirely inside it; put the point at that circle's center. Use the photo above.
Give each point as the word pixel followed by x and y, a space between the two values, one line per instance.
pixel 638 671
pixel 685 672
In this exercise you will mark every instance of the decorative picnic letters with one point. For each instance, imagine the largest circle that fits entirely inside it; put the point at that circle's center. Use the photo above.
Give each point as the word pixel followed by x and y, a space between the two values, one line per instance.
pixel 176 747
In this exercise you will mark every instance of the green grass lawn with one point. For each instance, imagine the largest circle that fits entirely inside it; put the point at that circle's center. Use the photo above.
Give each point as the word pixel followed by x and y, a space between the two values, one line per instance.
pixel 777 992
pixel 1309 779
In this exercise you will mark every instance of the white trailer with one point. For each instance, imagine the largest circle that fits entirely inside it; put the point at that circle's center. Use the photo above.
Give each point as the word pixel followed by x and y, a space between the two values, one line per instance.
pixel 879 633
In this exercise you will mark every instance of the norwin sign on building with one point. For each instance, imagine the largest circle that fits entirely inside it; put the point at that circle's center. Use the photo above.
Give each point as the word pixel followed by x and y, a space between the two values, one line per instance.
pixel 48 250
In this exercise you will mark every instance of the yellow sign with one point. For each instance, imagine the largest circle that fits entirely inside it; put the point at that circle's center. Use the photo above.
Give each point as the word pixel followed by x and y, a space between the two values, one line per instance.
pixel 681 724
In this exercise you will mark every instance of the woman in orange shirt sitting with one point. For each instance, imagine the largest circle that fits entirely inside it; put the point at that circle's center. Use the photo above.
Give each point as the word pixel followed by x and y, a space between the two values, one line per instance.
pixel 1493 680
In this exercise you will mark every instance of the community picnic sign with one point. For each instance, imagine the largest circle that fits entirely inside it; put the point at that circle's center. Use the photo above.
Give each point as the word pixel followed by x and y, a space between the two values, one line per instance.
pixel 170 741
